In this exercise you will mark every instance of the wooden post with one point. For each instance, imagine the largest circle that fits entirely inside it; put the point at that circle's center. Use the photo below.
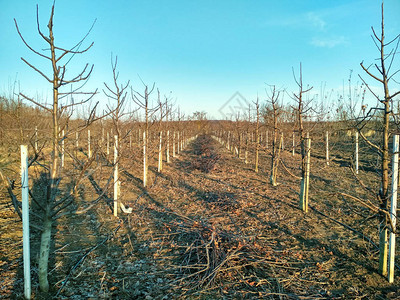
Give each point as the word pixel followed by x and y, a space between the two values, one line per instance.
pixel 266 139
pixel 130 141
pixel 293 144
pixel 167 151
pixel 144 160
pixel 393 208
pixel 282 145
pixel 305 180
pixel 77 140
pixel 327 147
pixel 36 139
pixel 108 143
pixel 356 152
pixel 173 145
pixel 159 169
pixel 116 181
pixel 246 151
pixel 178 144
pixel 257 147
pixel 25 221
pixel 89 150
pixel 62 149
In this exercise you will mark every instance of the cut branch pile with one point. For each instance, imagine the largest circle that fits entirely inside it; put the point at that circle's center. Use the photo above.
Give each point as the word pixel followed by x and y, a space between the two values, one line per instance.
pixel 208 258
pixel 207 157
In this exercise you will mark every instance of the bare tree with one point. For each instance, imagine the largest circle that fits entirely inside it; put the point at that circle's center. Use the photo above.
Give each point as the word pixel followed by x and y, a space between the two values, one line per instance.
pixel 302 109
pixel 142 100
pixel 60 111
pixel 274 110
pixel 382 75
pixel 303 106
pixel 117 93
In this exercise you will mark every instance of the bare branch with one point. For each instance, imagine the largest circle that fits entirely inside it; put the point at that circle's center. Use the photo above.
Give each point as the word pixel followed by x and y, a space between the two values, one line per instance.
pixel 37 70
pixel 27 45
pixel 36 103
pixel 369 73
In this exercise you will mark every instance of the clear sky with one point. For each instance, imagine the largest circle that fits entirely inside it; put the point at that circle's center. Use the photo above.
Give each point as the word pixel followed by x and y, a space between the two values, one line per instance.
pixel 202 51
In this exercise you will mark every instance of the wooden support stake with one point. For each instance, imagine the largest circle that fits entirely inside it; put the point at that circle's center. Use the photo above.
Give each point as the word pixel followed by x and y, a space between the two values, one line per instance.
pixel 173 145
pixel 77 140
pixel 159 169
pixel 36 139
pixel 89 150
pixel 305 180
pixel 108 143
pixel 25 221
pixel 327 147
pixel 393 208
pixel 167 151
pixel 62 149
pixel 144 160
pixel 178 144
pixel 293 143
pixel 356 152
pixel 246 151
pixel 116 181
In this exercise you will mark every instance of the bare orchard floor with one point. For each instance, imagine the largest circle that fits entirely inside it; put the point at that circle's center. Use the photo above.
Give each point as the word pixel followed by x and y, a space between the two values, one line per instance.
pixel 207 227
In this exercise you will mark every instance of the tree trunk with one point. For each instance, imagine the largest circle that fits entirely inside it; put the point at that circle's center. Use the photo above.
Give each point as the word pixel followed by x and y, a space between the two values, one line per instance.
pixel 45 241
pixel 383 195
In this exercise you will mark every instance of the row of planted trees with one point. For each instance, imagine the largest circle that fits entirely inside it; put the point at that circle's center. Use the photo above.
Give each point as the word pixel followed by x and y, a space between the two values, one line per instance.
pixel 269 127
pixel 61 127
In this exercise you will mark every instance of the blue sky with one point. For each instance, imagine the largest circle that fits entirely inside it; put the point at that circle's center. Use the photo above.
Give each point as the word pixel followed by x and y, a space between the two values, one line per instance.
pixel 202 51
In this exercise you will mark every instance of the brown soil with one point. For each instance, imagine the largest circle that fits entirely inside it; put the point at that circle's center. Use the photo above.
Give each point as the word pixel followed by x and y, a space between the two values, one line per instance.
pixel 209 227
